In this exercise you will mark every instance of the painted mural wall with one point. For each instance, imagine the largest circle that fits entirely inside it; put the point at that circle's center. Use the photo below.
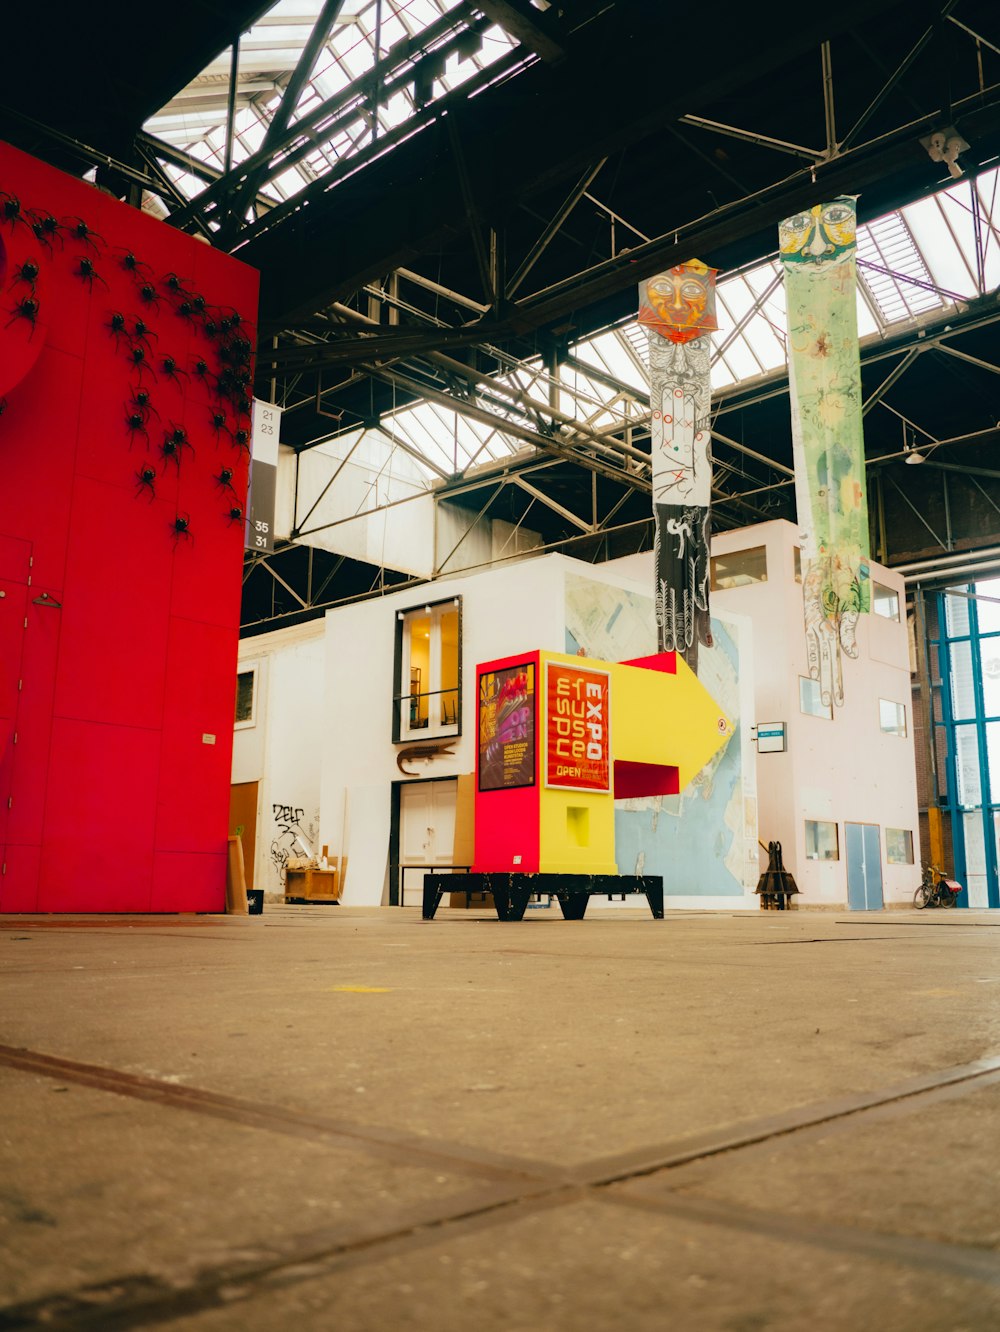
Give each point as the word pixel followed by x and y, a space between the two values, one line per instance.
pixel 124 419
pixel 703 841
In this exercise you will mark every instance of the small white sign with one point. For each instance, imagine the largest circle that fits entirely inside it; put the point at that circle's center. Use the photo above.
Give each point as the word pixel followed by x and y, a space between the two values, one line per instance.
pixel 771 737
pixel 207 739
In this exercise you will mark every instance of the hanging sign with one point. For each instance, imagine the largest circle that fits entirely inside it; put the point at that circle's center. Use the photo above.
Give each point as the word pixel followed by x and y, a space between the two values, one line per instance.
pixel 265 430
pixel 771 738
pixel 577 728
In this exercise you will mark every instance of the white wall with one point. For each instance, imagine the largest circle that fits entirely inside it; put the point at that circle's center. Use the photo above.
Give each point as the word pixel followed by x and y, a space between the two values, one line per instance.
pixel 282 750
pixel 505 611
pixel 840 771
pixel 341 483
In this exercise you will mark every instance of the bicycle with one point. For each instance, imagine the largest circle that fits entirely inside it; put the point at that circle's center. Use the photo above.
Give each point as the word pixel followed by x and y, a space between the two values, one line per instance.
pixel 935 890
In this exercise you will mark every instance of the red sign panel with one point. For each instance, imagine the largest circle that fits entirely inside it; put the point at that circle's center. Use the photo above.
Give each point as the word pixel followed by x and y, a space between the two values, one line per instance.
pixel 577 728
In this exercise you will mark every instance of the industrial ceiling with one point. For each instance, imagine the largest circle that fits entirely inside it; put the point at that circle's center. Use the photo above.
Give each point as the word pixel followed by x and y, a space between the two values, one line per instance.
pixel 452 204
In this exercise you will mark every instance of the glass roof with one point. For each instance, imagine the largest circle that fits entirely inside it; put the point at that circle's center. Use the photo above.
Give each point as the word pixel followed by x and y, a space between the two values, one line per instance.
pixel 911 263
pixel 195 120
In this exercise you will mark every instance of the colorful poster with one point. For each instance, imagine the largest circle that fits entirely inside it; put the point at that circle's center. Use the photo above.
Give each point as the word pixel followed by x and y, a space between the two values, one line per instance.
pixel 677 309
pixel 577 728
pixel 507 728
pixel 818 256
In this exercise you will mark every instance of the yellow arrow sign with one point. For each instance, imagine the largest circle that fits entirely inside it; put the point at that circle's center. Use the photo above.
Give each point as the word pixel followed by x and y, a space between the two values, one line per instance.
pixel 659 717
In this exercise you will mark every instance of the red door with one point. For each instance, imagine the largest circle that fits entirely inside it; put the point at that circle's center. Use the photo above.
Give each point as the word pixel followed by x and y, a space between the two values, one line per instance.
pixel 15 567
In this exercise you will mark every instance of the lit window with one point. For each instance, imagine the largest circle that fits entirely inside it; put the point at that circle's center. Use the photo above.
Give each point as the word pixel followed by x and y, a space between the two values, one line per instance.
pixel 821 841
pixel 899 846
pixel 428 657
pixel 739 568
pixel 891 717
pixel 885 602
pixel 246 697
pixel 811 699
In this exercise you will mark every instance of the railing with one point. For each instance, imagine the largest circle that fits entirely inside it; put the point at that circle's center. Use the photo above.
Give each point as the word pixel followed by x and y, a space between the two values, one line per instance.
pixel 414 709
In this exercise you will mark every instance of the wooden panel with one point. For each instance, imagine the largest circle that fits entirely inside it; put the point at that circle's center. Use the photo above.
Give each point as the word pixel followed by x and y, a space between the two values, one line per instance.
pixel 243 814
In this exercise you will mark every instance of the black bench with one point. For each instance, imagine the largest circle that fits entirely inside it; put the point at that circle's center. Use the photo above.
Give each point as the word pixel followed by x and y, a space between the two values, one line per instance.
pixel 511 892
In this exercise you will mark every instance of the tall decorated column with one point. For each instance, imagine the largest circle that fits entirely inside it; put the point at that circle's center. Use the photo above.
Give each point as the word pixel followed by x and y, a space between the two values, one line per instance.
pixel 818 256
pixel 677 309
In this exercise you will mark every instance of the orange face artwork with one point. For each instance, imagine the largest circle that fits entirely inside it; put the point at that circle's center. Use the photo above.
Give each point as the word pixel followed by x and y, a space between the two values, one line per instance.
pixel 679 304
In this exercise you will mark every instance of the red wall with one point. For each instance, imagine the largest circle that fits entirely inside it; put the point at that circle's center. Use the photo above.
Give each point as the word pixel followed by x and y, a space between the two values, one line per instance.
pixel 109 799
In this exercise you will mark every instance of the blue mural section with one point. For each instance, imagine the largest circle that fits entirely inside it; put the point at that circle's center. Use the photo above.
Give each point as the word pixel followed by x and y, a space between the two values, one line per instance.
pixel 695 839
pixel 704 841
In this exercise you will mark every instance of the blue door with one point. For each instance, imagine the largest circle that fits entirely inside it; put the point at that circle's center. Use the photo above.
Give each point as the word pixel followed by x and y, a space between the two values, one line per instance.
pixel 864 867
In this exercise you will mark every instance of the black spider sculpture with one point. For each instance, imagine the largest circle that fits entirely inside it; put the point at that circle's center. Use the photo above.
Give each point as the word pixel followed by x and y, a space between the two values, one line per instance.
pixel 184 309
pixel 149 294
pixel 135 424
pixel 225 479
pixel 137 358
pixel 219 423
pixel 236 352
pixel 175 285
pixel 198 303
pixel 142 402
pixel 241 438
pixel 200 368
pixel 141 333
pixel 181 527
pixel 24 309
pixel 46 228
pixel 211 328
pixel 10 210
pixel 116 326
pixel 145 479
pixel 235 514
pixel 26 272
pixel 171 369
pixel 174 442
pixel 86 272
pixel 79 230
pixel 133 265
pixel 231 383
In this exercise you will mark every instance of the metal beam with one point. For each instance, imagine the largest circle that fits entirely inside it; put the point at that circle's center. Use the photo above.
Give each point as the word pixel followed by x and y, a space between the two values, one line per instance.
pixel 894 78
pixel 289 101
pixel 550 503
pixel 527 26
pixel 894 374
pixel 309 125
pixel 751 136
pixel 539 247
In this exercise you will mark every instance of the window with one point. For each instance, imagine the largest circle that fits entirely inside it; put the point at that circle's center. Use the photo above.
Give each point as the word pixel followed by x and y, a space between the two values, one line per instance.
pixel 821 841
pixel 898 846
pixel 428 661
pixel 885 602
pixel 811 700
pixel 740 568
pixel 246 697
pixel 892 717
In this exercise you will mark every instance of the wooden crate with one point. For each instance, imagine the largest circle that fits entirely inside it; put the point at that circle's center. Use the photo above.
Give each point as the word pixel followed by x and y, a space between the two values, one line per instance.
pixel 312 885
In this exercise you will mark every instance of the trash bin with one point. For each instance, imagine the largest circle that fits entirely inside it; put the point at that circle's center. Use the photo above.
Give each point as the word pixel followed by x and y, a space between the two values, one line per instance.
pixel 255 901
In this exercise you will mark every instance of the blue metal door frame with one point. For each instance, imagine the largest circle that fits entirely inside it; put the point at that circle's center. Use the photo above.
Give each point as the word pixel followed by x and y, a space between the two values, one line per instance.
pixel 958 811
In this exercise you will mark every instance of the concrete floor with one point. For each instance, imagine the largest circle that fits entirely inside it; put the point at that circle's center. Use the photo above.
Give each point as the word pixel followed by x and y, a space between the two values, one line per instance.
pixel 327 1118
